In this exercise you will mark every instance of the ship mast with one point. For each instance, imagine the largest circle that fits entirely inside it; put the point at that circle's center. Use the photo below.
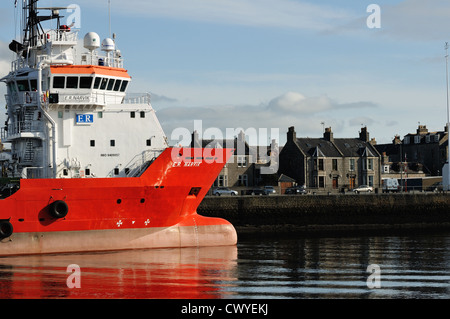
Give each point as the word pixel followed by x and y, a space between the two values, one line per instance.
pixel 32 25
pixel 32 28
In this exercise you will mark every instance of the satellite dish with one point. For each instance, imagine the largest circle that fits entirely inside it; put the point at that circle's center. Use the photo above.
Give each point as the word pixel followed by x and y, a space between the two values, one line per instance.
pixel 91 41
pixel 108 45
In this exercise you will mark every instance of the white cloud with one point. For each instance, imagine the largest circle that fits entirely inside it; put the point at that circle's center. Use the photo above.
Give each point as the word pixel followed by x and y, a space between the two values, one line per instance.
pixel 291 108
pixel 262 13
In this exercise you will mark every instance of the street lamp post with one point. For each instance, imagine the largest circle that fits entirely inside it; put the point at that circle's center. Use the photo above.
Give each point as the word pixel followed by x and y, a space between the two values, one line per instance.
pixel 446 169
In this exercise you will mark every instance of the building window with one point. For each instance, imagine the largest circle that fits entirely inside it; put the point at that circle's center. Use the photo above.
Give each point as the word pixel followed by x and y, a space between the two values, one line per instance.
pixel 242 161
pixel 221 181
pixel 352 164
pixel 335 164
pixel 321 182
pixel 417 139
pixel 370 164
pixel 112 143
pixel 370 180
pixel 406 140
pixel 321 164
pixel 92 143
pixel 243 180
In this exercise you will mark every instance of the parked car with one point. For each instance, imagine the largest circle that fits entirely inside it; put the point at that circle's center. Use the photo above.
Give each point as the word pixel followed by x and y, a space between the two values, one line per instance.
pixel 256 191
pixel 270 190
pixel 301 190
pixel 363 189
pixel 224 191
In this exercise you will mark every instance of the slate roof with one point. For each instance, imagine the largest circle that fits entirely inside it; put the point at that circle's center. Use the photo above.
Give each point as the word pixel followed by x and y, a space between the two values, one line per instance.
pixel 339 147
pixel 310 146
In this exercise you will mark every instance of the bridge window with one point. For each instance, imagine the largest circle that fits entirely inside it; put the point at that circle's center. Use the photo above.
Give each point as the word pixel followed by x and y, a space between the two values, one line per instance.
pixel 72 82
pixel 97 83
pixel 23 85
pixel 85 82
pixel 59 82
pixel 117 85
pixel 124 86
pixel 33 85
pixel 104 83
pixel 110 84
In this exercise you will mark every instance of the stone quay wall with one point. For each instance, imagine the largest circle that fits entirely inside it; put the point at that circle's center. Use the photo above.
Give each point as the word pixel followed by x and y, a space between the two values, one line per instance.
pixel 339 212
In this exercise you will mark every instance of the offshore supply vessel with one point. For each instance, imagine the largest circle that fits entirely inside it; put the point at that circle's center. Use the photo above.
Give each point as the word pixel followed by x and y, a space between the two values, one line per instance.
pixel 90 168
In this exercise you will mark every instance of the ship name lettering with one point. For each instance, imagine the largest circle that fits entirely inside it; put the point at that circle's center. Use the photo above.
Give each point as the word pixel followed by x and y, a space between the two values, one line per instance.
pixel 79 98
pixel 110 155
pixel 184 164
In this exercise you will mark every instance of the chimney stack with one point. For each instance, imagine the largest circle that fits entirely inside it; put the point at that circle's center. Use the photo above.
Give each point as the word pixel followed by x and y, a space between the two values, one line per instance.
pixel 291 135
pixel 364 135
pixel 328 134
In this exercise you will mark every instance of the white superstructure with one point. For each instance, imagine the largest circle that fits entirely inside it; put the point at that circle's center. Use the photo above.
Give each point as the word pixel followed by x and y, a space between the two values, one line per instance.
pixel 68 112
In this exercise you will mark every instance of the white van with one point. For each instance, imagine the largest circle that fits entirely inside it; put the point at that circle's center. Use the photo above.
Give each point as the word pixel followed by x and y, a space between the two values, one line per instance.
pixel 390 185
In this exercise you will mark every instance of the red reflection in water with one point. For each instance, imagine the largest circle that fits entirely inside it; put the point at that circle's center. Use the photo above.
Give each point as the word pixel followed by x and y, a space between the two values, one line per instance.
pixel 182 273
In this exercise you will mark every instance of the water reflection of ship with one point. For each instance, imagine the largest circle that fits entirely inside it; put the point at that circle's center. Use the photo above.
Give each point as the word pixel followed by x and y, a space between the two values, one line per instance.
pixel 175 273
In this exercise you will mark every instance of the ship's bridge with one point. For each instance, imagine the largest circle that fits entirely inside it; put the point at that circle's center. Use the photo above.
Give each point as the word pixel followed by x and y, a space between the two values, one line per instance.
pixel 86 85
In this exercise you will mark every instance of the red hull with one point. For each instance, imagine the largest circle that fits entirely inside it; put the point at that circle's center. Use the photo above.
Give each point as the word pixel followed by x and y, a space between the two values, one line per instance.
pixel 163 200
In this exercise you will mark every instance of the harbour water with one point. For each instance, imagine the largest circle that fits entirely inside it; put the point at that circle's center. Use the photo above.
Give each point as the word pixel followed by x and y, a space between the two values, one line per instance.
pixel 275 267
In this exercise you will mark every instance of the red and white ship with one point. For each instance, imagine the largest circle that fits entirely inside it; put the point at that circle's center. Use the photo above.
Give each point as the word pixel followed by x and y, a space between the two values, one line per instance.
pixel 90 169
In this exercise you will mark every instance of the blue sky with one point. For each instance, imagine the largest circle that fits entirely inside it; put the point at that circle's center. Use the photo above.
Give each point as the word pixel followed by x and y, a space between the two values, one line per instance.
pixel 277 63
